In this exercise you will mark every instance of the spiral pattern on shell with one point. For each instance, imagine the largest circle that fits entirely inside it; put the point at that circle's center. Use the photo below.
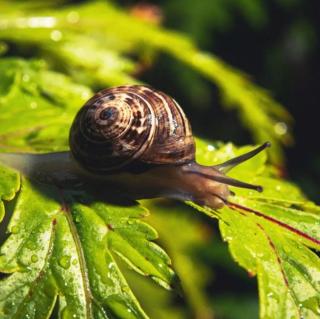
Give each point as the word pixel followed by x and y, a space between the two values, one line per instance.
pixel 129 128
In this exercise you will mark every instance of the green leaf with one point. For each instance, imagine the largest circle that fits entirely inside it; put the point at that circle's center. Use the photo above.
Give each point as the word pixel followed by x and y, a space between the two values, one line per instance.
pixel 270 234
pixel 37 106
pixel 60 248
pixel 188 232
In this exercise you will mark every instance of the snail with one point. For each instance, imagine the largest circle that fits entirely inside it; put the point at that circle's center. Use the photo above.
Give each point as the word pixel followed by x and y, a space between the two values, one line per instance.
pixel 139 140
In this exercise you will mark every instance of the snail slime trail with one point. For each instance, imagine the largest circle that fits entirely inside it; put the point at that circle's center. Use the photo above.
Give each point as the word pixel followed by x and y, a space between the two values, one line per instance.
pixel 139 140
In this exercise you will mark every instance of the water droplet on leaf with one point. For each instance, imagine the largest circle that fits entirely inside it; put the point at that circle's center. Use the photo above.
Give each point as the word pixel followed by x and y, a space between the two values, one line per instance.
pixel 210 148
pixel 64 262
pixel 85 95
pixel 56 35
pixel 280 128
pixel 73 17
pixel 34 258
pixel 111 265
pixel 31 245
pixel 26 78
pixel 33 105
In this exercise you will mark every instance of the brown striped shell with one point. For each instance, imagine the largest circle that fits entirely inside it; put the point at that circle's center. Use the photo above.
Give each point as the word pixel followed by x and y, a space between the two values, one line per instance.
pixel 130 128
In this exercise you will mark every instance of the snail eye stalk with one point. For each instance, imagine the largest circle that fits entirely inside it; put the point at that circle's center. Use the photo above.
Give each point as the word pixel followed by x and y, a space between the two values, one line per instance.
pixel 228 181
pixel 230 164
pixel 217 172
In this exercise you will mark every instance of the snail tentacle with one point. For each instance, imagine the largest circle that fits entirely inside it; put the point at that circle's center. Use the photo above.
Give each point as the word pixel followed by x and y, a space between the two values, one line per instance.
pixel 230 164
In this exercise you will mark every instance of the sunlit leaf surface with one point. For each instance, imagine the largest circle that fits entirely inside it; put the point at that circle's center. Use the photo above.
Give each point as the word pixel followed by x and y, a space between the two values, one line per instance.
pixel 167 219
pixel 59 246
pixel 273 235
pixel 36 106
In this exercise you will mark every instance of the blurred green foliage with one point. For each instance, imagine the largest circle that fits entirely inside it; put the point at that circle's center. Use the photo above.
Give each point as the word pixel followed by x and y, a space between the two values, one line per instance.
pixel 92 51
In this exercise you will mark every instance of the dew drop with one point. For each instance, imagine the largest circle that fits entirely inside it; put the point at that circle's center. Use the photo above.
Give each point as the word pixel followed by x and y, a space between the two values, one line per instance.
pixel 33 105
pixel 34 258
pixel 15 229
pixel 26 78
pixel 260 255
pixel 210 148
pixel 56 35
pixel 280 128
pixel 73 17
pixel 41 22
pixel 74 261
pixel 64 262
pixel 111 265
pixel 31 245
pixel 85 95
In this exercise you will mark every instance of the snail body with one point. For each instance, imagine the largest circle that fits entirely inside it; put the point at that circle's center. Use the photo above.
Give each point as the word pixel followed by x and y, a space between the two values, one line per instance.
pixel 139 140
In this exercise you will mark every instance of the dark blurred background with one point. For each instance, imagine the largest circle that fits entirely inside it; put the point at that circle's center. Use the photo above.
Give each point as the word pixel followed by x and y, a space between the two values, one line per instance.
pixel 276 43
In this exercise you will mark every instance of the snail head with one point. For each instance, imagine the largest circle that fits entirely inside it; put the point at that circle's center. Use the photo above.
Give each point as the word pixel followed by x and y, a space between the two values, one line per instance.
pixel 210 182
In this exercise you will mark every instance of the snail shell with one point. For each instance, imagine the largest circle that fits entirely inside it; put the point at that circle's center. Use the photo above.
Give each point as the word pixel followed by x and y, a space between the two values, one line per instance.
pixel 131 128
